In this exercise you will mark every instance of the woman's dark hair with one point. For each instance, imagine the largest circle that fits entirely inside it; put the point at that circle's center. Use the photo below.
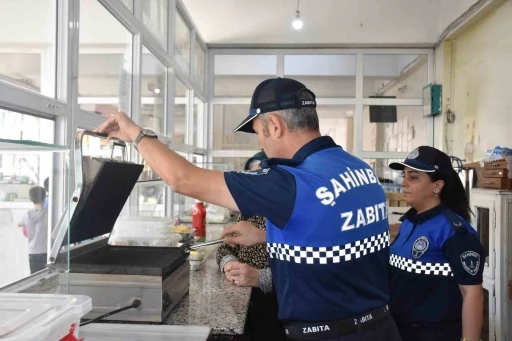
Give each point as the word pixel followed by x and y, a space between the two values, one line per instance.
pixel 453 193
pixel 46 184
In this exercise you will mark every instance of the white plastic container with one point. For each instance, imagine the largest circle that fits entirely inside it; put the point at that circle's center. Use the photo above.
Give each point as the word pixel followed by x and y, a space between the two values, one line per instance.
pixel 131 332
pixel 39 317
pixel 217 215
pixel 139 226
pixel 195 265
pixel 169 240
pixel 144 231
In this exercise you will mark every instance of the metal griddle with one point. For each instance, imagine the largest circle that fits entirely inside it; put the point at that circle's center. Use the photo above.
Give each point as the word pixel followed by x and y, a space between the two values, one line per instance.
pixel 114 275
pixel 128 260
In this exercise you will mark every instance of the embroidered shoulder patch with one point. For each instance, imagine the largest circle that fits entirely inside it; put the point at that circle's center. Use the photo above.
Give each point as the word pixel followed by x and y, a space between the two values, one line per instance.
pixel 261 171
pixel 470 262
pixel 420 246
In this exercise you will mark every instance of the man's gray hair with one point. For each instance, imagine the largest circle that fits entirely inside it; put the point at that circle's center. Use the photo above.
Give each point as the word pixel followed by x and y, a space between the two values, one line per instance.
pixel 297 119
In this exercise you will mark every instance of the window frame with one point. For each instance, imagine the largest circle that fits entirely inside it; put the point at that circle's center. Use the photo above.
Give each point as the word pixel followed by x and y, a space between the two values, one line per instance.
pixel 358 101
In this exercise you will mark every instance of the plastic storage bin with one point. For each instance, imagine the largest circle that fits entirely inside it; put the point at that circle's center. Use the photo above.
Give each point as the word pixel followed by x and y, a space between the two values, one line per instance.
pixel 38 317
pixel 144 231
pixel 130 332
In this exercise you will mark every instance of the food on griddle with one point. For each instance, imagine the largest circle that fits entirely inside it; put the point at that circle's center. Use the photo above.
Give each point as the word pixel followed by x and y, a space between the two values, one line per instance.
pixel 181 229
pixel 196 255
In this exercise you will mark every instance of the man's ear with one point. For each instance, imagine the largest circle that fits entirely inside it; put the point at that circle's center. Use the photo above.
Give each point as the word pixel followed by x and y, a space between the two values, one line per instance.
pixel 276 125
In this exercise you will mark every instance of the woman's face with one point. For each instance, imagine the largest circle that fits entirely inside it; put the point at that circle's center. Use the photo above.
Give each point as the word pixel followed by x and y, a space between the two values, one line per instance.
pixel 419 189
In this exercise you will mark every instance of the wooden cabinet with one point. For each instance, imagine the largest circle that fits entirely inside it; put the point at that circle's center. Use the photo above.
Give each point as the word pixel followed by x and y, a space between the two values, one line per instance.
pixel 492 211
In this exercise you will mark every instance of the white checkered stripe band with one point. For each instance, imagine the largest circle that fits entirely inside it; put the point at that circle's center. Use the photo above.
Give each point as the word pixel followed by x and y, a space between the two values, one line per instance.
pixel 409 265
pixel 330 254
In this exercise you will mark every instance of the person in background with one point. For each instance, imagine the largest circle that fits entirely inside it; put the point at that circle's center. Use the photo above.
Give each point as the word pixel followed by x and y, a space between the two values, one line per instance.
pixel 36 223
pixel 249 267
pixel 436 261
pixel 47 188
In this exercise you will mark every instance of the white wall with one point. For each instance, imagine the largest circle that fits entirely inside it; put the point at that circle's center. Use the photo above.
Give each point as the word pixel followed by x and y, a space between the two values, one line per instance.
pixel 245 65
pixel 411 116
pixel 341 130
pixel 395 137
pixel 480 86
pixel 449 10
pixel 237 86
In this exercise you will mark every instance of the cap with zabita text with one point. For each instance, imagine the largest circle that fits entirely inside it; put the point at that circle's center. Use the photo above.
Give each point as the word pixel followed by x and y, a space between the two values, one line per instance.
pixel 273 95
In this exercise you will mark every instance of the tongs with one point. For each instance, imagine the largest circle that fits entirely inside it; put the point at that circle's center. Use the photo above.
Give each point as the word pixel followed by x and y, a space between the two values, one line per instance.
pixel 192 247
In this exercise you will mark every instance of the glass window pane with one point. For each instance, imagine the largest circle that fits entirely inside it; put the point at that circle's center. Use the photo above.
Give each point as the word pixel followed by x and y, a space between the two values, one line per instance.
pixel 150 199
pixel 155 15
pixel 181 94
pixel 338 122
pixel 225 119
pixel 325 75
pixel 198 159
pixel 16 126
pixel 153 91
pixel 403 76
pixel 104 61
pixel 198 133
pixel 18 174
pixel 28 52
pixel 384 131
pixel 232 163
pixel 199 65
pixel 182 43
pixel 182 205
pixel 391 181
pixel 482 227
pixel 128 4
pixel 238 75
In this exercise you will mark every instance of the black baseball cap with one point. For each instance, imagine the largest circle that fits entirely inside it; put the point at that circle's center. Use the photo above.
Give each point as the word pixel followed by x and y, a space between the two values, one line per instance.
pixel 425 159
pixel 272 95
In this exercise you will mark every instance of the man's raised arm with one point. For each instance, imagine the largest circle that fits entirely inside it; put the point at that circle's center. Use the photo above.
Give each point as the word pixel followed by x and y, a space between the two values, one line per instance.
pixel 182 176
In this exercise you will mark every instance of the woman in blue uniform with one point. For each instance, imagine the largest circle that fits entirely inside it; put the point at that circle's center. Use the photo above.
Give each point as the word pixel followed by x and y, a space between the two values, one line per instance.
pixel 437 260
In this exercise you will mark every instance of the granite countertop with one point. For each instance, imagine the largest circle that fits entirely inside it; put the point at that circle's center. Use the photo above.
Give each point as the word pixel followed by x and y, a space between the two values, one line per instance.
pixel 212 300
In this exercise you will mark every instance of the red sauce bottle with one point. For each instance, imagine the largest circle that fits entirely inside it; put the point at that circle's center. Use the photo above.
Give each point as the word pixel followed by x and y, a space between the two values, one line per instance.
pixel 199 218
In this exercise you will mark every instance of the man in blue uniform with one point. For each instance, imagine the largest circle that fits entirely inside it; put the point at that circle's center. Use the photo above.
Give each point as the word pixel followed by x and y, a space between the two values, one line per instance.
pixel 327 228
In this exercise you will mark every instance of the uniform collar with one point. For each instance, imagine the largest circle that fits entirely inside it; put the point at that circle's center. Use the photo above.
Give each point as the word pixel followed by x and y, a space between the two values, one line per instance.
pixel 313 146
pixel 419 218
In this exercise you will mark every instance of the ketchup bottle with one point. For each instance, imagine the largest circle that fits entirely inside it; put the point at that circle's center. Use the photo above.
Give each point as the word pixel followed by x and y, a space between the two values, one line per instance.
pixel 199 218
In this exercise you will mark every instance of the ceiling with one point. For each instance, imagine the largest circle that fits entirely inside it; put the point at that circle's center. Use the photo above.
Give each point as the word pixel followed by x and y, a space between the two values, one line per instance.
pixel 415 23
pixel 255 22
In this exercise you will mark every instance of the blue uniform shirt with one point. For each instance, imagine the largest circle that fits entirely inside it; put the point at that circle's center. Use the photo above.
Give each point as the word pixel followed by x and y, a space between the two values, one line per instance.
pixel 327 231
pixel 433 253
